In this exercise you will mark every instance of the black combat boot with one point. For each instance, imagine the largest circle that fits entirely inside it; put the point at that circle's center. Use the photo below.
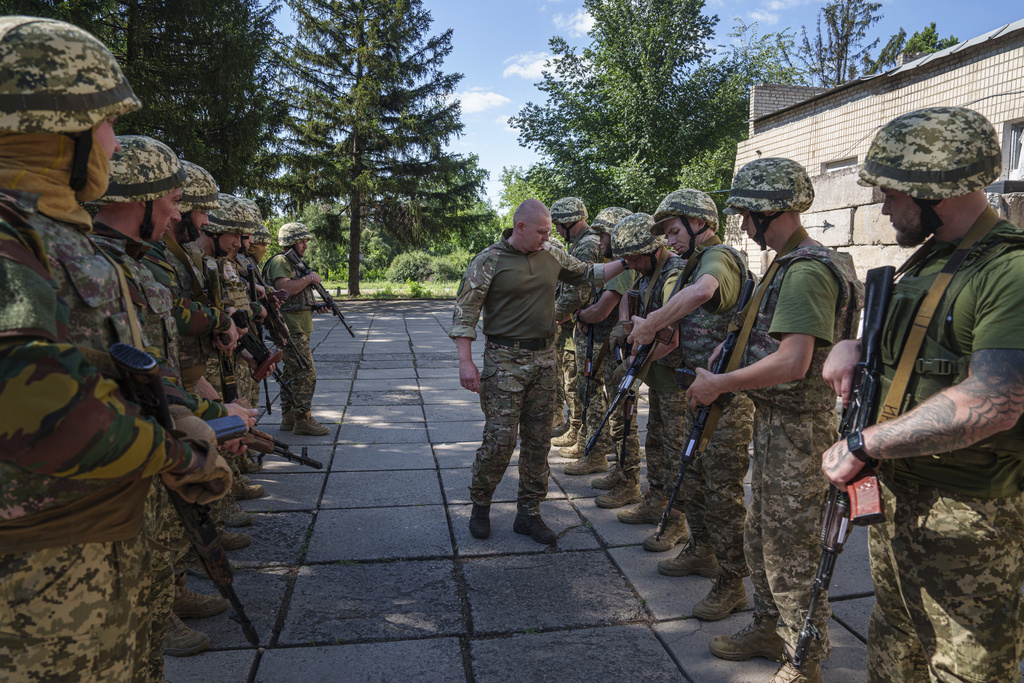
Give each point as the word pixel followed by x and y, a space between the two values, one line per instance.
pixel 534 527
pixel 480 521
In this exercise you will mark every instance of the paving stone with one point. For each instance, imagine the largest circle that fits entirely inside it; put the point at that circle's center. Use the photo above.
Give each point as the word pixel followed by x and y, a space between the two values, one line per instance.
pixel 382 398
pixel 382 432
pixel 573 534
pixel 434 396
pixel 454 411
pixel 290 491
pixel 275 464
pixel 334 370
pixel 332 386
pixel 688 641
pixel 329 410
pixel 437 364
pixel 383 364
pixel 608 527
pixel 375 489
pixel 381 601
pixel 322 356
pixel 854 614
pixel 374 533
pixel 261 592
pixel 428 373
pixel 435 660
pixel 552 590
pixel 446 432
pixel 383 456
pixel 367 375
pixel 456 486
pixel 276 539
pixel 453 455
pixel 576 655
pixel 225 667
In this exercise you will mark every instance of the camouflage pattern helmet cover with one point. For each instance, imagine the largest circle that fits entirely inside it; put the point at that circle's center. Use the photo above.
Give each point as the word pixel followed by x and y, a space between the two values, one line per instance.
pixel 568 210
pixel 143 170
pixel 606 219
pixel 689 203
pixel 231 216
pixel 200 190
pixel 771 184
pixel 934 153
pixel 290 233
pixel 632 236
pixel 262 236
pixel 57 78
pixel 253 208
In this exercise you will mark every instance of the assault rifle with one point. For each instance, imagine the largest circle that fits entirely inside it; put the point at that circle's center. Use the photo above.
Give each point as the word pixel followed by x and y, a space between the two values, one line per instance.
pixel 861 503
pixel 265 444
pixel 140 381
pixel 263 361
pixel 588 367
pixel 229 386
pixel 301 269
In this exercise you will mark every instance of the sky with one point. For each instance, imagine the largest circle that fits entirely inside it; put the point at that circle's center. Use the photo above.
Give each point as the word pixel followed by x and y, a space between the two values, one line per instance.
pixel 500 48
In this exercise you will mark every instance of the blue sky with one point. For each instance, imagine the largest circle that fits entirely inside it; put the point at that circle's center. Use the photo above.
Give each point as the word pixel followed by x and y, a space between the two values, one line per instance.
pixel 500 48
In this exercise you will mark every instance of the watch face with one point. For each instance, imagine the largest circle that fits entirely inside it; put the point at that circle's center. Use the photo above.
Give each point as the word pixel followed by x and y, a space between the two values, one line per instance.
pixel 855 442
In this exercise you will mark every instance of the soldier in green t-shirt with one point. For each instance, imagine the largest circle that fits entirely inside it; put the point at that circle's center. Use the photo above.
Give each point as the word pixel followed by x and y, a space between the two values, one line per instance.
pixel 948 561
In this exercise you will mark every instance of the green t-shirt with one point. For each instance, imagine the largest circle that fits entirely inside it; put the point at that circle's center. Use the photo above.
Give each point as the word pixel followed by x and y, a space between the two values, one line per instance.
pixel 807 302
pixel 720 265
pixel 621 283
pixel 297 321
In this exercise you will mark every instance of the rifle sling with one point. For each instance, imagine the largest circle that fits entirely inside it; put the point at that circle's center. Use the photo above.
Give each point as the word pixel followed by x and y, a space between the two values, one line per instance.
pixel 179 253
pixel 908 357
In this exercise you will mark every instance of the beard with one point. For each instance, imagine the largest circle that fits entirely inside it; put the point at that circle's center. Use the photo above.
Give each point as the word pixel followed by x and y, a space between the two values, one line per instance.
pixel 910 232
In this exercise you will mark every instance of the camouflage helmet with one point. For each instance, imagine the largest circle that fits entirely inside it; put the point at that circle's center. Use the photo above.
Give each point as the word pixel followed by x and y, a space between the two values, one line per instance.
pixel 231 216
pixel 200 190
pixel 772 184
pixel 253 208
pixel 632 236
pixel 290 233
pixel 934 154
pixel 568 210
pixel 688 203
pixel 143 170
pixel 57 78
pixel 262 235
pixel 606 219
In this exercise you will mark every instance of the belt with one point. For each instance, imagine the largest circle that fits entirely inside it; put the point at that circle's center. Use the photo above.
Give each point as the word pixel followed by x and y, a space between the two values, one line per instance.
pixel 522 344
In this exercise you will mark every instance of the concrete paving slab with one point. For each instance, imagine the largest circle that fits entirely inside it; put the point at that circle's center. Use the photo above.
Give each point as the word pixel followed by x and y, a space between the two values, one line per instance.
pixel 231 666
pixel 334 370
pixel 419 531
pixel 261 592
pixel 278 538
pixel 381 601
pixel 435 396
pixel 382 398
pixel 447 383
pixel 854 614
pixel 384 414
pixel 573 534
pixel 434 660
pixel 456 455
pixel 399 432
pixel 429 373
pixel 383 364
pixel 456 410
pixel 608 528
pixel 853 569
pixel 290 491
pixel 553 590
pixel 456 486
pixel 688 641
pixel 383 456
pixel 368 375
pixel 273 464
pixel 332 386
pixel 393 384
pixel 293 439
pixel 329 411
pixel 848 661
pixel 446 432
pixel 575 655
pixel 376 489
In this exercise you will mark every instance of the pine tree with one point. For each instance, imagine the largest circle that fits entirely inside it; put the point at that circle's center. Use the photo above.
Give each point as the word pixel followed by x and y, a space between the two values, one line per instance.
pixel 372 112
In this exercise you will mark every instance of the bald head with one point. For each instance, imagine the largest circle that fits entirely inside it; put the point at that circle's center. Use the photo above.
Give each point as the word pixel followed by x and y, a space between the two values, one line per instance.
pixel 531 226
pixel 531 211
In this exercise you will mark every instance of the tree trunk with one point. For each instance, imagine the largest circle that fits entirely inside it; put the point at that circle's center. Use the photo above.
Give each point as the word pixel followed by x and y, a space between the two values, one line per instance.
pixel 355 231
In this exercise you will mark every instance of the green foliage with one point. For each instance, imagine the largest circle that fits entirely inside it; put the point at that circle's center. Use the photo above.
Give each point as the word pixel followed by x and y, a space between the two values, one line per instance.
pixel 449 266
pixel 839 48
pixel 412 265
pixel 416 290
pixel 924 41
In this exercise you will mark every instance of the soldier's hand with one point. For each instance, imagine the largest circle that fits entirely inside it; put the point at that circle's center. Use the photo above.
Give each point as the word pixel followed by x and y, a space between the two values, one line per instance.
pixel 469 376
pixel 263 315
pixel 236 446
pixel 204 389
pixel 314 278
pixel 840 465
pixel 247 414
pixel 617 337
pixel 714 355
pixel 261 291
pixel 705 389
pixel 209 482
pixel 839 367
pixel 642 332
pixel 241 330
pixel 227 340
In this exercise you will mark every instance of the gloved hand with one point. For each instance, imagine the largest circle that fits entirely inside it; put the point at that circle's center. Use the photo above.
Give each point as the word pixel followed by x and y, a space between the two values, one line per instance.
pixel 617 338
pixel 208 477
pixel 618 373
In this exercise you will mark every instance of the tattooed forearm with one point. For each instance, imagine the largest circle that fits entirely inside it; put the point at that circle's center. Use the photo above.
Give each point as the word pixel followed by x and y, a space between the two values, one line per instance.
pixel 990 400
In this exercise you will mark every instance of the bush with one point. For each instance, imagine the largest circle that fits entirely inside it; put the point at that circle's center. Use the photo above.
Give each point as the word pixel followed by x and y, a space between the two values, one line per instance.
pixel 450 266
pixel 417 290
pixel 412 265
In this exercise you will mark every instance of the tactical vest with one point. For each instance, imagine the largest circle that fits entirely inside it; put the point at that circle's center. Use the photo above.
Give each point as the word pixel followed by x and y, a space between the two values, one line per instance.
pixel 810 392
pixel 673 266
pixel 994 467
pixel 701 331
pixel 301 301
pixel 233 290
pixel 182 279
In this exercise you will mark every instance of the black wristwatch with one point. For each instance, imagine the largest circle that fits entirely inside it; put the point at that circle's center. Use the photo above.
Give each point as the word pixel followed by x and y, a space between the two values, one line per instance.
pixel 624 264
pixel 855 442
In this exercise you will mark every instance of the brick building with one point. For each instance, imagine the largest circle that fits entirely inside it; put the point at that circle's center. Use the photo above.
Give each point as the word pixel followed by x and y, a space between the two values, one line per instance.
pixel 829 131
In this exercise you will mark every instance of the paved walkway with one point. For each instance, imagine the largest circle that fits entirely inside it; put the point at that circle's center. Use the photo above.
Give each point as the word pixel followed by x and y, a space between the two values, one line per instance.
pixel 365 571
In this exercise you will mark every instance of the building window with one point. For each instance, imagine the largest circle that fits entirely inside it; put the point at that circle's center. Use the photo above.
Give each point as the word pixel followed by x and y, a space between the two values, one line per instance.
pixel 837 165
pixel 1014 156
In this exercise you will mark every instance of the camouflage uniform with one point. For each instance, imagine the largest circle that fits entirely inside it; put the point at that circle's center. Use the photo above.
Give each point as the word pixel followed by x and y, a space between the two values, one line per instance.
pixel 516 385
pixel 948 560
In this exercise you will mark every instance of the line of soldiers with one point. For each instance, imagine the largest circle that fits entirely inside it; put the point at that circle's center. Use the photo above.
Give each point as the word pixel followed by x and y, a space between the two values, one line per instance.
pixel 93 557
pixel 947 561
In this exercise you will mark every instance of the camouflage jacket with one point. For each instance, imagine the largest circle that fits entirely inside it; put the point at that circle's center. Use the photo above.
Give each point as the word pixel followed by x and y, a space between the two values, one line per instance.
pixel 302 300
pixel 809 393
pixel 701 331
pixel 587 248
pixel 515 290
pixel 673 267
pixel 68 435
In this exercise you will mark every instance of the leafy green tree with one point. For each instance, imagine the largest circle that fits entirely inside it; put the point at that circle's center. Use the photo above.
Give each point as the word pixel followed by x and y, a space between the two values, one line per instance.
pixel 839 49
pixel 924 41
pixel 372 112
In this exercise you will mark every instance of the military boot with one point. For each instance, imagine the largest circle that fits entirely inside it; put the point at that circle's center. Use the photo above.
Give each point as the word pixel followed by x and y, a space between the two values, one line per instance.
pixel 624 493
pixel 480 521
pixel 595 462
pixel 559 426
pixel 692 559
pixel 610 480
pixel 242 490
pixel 234 516
pixel 573 451
pixel 305 425
pixel 181 641
pixel 759 639
pixel 534 527
pixel 810 672
pixel 248 465
pixel 727 596
pixel 190 605
pixel 648 512
pixel 567 439
pixel 195 566
pixel 230 540
pixel 675 531
pixel 287 421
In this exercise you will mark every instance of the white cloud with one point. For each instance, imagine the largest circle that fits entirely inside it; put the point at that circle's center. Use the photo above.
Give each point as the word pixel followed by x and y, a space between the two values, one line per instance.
pixel 503 122
pixel 475 100
pixel 577 24
pixel 763 17
pixel 528 65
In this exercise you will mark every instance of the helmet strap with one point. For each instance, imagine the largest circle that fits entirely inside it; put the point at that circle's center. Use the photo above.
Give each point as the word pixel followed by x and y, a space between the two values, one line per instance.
pixel 190 228
pixel 146 231
pixel 930 220
pixel 80 163
pixel 761 223
pixel 693 236
pixel 217 251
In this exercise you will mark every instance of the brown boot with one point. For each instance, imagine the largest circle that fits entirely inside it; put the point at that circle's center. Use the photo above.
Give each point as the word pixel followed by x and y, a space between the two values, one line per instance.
pixel 241 490
pixel 610 480
pixel 759 639
pixel 181 641
pixel 648 512
pixel 675 532
pixel 573 451
pixel 727 596
pixel 234 516
pixel 287 421
pixel 190 605
pixel 305 425
pixel 624 493
pixel 230 540
pixel 810 672
pixel 595 462
pixel 567 439
pixel 692 559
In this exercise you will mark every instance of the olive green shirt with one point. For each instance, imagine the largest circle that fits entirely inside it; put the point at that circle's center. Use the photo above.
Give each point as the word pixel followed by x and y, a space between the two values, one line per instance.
pixel 807 302
pixel 297 321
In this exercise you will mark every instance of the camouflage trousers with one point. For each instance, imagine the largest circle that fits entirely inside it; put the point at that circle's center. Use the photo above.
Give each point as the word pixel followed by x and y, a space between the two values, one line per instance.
pixel 664 442
pixel 301 382
pixel 713 486
pixel 947 570
pixel 248 387
pixel 612 372
pixel 567 375
pixel 783 520
pixel 75 613
pixel 166 538
pixel 516 392
pixel 596 403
